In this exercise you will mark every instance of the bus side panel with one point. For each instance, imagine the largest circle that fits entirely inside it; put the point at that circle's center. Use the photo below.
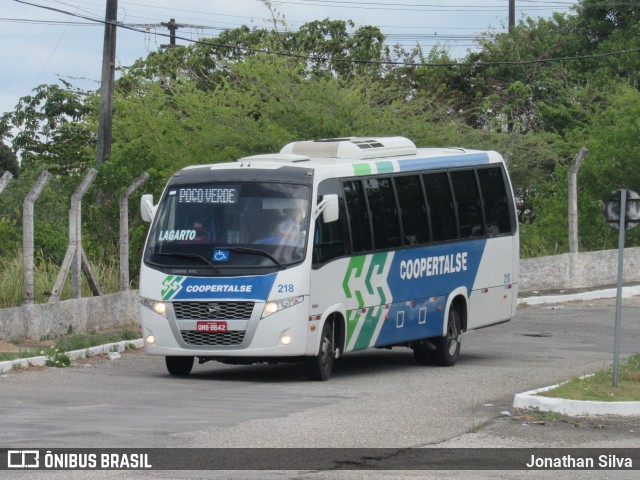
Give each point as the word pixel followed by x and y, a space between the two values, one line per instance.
pixel 359 284
pixel 495 290
pixel 421 281
pixel 412 320
pixel 396 297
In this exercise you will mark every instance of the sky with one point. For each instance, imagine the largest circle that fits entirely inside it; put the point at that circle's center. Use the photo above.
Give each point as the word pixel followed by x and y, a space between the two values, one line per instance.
pixel 41 46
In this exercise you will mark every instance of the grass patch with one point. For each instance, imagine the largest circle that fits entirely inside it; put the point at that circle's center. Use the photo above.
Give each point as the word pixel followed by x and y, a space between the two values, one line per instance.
pixel 7 356
pixel 477 427
pixel 80 341
pixel 598 387
pixel 77 341
pixel 45 274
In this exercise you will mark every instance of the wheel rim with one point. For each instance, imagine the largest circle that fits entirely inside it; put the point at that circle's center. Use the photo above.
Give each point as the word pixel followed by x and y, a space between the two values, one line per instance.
pixel 326 355
pixel 453 337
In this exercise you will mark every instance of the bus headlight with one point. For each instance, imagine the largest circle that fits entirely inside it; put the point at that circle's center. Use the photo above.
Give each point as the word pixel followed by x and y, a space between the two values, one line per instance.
pixel 277 305
pixel 158 307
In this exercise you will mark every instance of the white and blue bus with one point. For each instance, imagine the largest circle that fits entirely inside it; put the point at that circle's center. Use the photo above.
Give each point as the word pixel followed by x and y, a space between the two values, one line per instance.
pixel 329 247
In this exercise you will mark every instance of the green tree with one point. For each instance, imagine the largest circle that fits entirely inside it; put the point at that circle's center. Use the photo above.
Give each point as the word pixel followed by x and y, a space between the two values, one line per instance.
pixel 51 130
pixel 8 160
pixel 610 165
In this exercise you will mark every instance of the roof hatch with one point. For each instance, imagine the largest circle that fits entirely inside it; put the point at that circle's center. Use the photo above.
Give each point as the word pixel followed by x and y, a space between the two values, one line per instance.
pixel 359 148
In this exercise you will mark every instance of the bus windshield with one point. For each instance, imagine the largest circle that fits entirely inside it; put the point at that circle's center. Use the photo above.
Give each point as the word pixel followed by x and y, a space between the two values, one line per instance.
pixel 228 225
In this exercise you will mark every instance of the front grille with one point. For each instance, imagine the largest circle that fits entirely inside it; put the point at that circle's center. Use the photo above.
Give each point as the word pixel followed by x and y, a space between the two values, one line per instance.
pixel 191 337
pixel 213 310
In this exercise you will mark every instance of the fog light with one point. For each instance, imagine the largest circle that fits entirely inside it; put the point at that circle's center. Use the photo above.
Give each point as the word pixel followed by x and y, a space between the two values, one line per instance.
pixel 150 339
pixel 285 340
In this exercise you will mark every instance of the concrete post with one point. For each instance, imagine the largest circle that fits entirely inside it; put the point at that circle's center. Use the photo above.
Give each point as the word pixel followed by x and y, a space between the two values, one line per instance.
pixel 573 199
pixel 6 178
pixel 124 230
pixel 73 257
pixel 75 232
pixel 28 291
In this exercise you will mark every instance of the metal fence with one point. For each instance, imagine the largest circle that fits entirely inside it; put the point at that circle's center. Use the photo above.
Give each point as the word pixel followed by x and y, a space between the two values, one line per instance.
pixel 75 261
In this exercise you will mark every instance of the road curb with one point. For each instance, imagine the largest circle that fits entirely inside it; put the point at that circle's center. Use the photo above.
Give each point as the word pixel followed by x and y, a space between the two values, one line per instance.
pixel 532 400
pixel 581 296
pixel 40 361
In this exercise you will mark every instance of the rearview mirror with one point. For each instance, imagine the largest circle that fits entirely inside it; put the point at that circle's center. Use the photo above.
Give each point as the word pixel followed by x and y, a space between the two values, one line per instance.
pixel 330 208
pixel 147 208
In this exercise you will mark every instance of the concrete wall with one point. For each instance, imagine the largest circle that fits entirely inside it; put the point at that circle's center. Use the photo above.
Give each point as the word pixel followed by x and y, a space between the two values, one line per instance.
pixel 578 270
pixel 34 322
pixel 49 320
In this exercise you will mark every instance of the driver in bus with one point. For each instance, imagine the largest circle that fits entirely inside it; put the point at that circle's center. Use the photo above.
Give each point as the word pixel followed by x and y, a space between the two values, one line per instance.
pixel 202 235
pixel 288 232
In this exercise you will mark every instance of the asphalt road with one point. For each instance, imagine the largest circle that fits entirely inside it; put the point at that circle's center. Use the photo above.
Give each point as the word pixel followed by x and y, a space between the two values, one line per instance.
pixel 374 398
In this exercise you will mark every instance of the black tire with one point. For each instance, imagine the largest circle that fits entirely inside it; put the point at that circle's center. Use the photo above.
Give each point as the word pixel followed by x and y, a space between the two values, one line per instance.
pixel 448 347
pixel 319 367
pixel 179 366
pixel 422 355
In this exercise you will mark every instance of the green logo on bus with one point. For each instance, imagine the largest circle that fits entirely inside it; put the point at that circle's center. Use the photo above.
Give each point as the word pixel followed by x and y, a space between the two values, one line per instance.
pixel 365 286
pixel 170 286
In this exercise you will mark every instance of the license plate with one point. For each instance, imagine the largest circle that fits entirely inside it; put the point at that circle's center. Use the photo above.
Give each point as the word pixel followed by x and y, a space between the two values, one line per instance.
pixel 211 326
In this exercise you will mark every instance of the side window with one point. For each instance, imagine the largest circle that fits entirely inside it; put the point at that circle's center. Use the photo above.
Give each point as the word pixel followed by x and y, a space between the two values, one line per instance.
pixel 384 215
pixel 496 200
pixel 413 210
pixel 358 217
pixel 330 239
pixel 441 211
pixel 465 187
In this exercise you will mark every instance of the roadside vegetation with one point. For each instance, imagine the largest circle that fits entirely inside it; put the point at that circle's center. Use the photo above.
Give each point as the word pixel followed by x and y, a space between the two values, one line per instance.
pixel 57 348
pixel 46 272
pixel 536 94
pixel 598 387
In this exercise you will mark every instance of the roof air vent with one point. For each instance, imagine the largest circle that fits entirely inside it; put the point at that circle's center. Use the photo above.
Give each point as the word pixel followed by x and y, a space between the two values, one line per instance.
pixel 356 148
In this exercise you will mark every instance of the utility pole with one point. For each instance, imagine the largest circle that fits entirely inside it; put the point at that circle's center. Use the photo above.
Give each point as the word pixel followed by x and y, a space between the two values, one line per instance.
pixel 512 15
pixel 172 26
pixel 107 83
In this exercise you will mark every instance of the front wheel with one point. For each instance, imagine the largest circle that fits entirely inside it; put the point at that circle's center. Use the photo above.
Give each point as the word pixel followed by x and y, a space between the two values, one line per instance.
pixel 179 366
pixel 320 367
pixel 448 347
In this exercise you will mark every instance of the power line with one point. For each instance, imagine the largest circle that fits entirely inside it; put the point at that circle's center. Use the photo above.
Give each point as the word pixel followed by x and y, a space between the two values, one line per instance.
pixel 397 38
pixel 344 60
pixel 154 22
pixel 410 7
pixel 48 22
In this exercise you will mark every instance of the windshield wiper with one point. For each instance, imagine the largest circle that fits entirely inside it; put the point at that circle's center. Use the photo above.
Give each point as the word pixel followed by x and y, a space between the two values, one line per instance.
pixel 216 266
pixel 195 256
pixel 254 251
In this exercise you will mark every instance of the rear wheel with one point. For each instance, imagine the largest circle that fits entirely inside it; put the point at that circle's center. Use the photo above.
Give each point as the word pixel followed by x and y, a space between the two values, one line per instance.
pixel 320 367
pixel 448 347
pixel 180 366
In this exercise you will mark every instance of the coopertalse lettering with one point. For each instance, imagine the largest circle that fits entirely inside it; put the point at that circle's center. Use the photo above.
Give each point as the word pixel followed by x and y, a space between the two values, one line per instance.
pixel 219 288
pixel 432 266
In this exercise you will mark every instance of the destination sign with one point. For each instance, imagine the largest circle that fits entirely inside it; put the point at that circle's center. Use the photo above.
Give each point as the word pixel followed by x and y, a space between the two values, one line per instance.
pixel 208 195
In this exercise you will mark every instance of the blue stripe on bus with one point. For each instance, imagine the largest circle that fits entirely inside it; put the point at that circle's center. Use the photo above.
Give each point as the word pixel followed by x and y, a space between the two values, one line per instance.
pixel 432 163
pixel 238 288
pixel 420 280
